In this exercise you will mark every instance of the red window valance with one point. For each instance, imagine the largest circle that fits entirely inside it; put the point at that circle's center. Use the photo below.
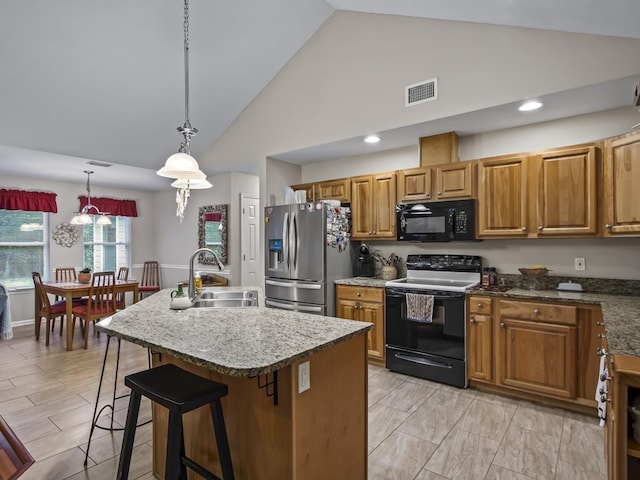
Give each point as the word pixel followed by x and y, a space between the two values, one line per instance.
pixel 213 217
pixel 112 206
pixel 28 201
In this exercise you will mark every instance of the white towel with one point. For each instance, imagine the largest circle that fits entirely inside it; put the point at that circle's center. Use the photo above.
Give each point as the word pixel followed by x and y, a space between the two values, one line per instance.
pixel 6 331
pixel 602 390
pixel 419 307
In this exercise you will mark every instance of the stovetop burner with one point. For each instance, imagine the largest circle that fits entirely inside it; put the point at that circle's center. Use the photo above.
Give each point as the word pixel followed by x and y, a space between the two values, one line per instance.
pixel 452 273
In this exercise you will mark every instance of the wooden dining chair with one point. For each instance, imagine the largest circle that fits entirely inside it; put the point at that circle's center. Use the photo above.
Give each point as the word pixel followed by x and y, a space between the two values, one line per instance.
pixel 44 308
pixel 150 282
pixel 101 303
pixel 67 275
pixel 123 274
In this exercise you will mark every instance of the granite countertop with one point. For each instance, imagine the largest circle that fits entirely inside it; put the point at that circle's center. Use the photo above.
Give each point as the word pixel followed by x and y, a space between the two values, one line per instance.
pixel 239 342
pixel 362 282
pixel 621 313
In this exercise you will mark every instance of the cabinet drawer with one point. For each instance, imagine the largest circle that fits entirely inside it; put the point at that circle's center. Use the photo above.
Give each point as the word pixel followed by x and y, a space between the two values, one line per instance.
pixel 562 314
pixel 367 294
pixel 480 305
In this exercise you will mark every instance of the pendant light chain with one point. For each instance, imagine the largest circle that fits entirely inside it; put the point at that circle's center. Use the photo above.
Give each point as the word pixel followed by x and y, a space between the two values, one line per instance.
pixel 187 124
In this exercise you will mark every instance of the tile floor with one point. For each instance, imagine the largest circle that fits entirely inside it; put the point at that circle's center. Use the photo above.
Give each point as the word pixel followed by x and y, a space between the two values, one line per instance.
pixel 418 430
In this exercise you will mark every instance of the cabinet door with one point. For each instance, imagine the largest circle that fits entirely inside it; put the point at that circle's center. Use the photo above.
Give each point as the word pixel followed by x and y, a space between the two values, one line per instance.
pixel 480 347
pixel 414 185
pixel 502 199
pixel 537 357
pixel 339 189
pixel 384 201
pixel 361 207
pixel 438 149
pixel 307 187
pixel 455 180
pixel 374 313
pixel 621 209
pixel 565 192
pixel 347 309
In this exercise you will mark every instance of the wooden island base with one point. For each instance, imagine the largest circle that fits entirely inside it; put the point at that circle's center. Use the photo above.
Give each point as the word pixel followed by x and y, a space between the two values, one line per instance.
pixel 317 434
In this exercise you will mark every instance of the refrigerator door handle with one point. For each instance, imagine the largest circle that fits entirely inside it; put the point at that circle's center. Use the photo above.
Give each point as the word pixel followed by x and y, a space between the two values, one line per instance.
pixel 301 286
pixel 287 306
pixel 285 238
pixel 296 241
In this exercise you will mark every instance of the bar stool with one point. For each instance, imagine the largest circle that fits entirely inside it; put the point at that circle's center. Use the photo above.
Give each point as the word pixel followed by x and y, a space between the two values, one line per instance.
pixel 179 392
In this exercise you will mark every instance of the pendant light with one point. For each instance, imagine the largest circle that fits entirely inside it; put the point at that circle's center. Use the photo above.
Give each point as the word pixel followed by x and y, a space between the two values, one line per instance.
pixel 85 216
pixel 181 165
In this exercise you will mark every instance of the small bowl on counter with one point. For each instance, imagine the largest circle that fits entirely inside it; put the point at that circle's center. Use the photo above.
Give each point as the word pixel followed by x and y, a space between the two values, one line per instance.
pixel 534 272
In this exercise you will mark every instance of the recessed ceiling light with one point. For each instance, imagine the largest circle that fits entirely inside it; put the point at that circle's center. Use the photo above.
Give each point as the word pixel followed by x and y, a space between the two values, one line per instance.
pixel 526 107
pixel 372 139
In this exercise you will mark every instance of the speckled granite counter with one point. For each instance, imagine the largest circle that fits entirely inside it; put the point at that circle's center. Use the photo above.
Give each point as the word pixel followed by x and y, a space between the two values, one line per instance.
pixel 621 313
pixel 238 342
pixel 362 282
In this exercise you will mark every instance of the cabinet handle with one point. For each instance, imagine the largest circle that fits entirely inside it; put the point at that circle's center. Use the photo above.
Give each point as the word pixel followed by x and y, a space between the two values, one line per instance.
pixel 524 229
pixel 605 378
pixel 607 225
pixel 501 324
pixel 536 311
pixel 539 228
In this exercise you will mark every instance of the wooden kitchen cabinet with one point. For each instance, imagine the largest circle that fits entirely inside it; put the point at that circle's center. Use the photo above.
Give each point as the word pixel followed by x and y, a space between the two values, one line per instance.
pixel 443 182
pixel 339 189
pixel 438 149
pixel 365 304
pixel 536 347
pixel 502 197
pixel 564 194
pixel 621 195
pixel 307 187
pixel 373 213
pixel 480 339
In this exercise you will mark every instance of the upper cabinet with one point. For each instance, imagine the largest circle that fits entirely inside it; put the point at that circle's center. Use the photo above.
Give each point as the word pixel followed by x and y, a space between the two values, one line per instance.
pixel 502 197
pixel 307 187
pixel 621 195
pixel 373 213
pixel 564 192
pixel 438 149
pixel 551 194
pixel 339 189
pixel 444 182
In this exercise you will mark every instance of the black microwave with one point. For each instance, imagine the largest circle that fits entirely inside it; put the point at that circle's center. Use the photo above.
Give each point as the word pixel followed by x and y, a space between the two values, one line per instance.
pixel 436 221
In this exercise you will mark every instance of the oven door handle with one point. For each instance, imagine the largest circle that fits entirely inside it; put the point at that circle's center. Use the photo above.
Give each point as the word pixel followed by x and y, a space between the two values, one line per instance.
pixel 402 296
pixel 422 361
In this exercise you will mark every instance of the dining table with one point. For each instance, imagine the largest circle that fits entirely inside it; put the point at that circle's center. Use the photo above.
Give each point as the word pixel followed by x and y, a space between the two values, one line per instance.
pixel 71 290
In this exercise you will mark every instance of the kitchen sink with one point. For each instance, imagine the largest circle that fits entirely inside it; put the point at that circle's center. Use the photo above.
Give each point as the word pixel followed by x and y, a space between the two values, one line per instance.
pixel 225 302
pixel 232 295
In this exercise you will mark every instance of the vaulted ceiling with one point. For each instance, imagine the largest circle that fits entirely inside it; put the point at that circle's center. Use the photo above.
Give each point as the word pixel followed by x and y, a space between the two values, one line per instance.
pixel 104 80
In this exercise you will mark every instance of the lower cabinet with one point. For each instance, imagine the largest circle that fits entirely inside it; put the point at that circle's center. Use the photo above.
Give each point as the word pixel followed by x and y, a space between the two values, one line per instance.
pixel 365 304
pixel 530 347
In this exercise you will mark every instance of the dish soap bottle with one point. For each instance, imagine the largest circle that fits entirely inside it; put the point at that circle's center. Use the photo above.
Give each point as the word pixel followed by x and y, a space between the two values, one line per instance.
pixel 197 283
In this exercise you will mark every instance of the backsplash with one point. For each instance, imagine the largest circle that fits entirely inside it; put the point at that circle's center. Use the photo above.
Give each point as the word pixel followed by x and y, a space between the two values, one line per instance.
pixel 592 285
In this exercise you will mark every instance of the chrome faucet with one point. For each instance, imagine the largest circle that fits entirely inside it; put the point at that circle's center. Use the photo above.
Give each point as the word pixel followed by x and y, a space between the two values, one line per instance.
pixel 192 289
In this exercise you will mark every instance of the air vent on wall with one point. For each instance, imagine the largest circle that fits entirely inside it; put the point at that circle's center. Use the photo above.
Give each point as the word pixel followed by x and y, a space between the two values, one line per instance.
pixel 421 92
pixel 95 163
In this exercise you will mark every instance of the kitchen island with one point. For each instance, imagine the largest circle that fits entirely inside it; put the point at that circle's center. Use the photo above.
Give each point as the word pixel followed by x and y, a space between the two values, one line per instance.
pixel 276 431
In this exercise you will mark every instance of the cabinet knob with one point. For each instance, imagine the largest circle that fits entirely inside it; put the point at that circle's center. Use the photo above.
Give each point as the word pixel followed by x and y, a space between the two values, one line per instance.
pixel 439 193
pixel 502 325
pixel 524 229
pixel 603 398
pixel 599 323
pixel 374 232
pixel 479 305
pixel 358 294
pixel 536 311
pixel 601 352
pixel 605 378
pixel 539 228
pixel 607 225
pixel 427 195
pixel 601 335
pixel 472 320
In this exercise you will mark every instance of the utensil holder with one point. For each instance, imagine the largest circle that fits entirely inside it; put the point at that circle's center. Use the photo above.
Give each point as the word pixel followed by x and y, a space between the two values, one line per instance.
pixel 389 272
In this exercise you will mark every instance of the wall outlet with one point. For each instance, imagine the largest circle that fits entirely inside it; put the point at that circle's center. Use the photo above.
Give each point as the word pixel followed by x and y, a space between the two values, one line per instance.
pixel 304 377
pixel 580 264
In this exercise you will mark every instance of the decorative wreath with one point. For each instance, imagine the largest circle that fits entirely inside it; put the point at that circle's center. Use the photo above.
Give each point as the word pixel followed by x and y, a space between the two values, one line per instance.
pixel 65 235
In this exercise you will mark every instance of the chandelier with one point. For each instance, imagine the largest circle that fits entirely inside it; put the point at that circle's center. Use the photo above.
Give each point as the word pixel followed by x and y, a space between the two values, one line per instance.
pixel 85 216
pixel 181 165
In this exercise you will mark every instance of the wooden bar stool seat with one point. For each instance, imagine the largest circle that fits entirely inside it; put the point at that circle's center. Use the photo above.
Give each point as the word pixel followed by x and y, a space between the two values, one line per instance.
pixel 179 392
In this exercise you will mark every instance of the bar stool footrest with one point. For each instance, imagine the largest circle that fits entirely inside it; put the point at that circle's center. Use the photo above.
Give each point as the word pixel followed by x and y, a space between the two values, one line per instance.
pixel 199 469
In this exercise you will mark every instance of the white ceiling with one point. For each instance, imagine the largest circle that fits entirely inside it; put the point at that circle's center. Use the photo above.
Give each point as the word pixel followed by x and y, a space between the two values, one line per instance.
pixel 104 80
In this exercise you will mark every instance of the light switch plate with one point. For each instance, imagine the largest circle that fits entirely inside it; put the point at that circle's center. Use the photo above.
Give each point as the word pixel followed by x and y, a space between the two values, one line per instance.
pixel 304 377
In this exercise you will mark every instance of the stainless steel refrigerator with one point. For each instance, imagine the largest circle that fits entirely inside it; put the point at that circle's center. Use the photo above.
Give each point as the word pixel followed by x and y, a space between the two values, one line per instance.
pixel 307 247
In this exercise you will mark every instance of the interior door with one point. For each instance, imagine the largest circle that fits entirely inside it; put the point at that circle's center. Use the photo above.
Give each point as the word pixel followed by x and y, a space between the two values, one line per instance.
pixel 307 241
pixel 249 240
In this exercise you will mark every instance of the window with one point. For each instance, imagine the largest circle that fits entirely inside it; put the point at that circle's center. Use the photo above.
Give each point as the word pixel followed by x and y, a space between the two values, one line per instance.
pixel 24 247
pixel 106 247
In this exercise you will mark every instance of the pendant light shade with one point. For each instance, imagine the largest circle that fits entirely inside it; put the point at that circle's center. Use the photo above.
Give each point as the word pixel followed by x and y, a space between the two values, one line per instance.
pixel 182 166
pixel 195 184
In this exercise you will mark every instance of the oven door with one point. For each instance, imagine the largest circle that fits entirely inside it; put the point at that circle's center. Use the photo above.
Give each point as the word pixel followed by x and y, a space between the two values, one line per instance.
pixel 443 336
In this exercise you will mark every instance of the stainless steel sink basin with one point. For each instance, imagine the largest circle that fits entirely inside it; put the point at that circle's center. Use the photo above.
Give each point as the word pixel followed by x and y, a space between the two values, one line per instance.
pixel 225 302
pixel 232 295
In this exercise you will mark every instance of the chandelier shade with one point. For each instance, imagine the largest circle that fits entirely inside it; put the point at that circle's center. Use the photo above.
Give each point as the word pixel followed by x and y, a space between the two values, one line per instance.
pixel 85 216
